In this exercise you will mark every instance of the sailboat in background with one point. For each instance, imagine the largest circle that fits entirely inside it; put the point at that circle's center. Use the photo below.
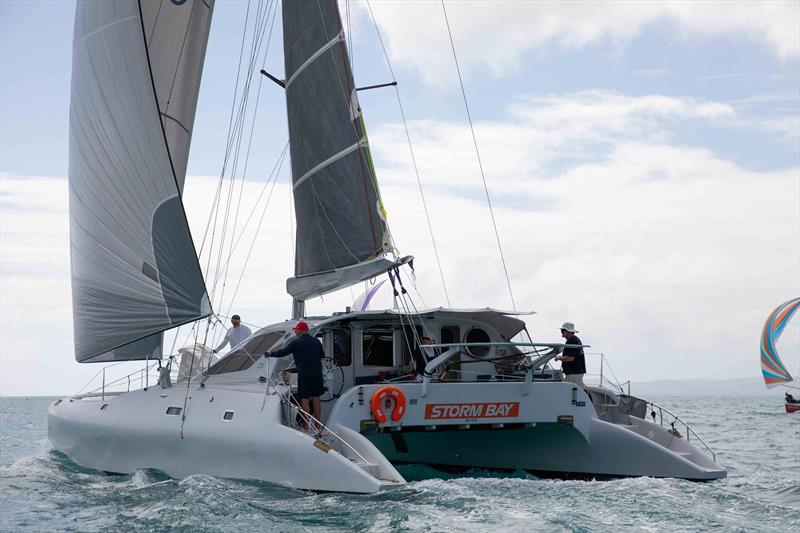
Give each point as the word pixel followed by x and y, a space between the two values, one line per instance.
pixel 484 397
pixel 772 368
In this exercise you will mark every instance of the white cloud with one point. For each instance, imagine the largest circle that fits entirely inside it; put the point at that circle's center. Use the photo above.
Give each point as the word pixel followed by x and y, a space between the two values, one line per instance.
pixel 494 36
pixel 652 73
pixel 667 256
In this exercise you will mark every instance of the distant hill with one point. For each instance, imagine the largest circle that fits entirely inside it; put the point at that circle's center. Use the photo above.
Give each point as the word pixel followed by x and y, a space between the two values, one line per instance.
pixel 706 387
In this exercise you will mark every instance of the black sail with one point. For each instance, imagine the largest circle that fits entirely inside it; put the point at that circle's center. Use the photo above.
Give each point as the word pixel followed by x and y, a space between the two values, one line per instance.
pixel 342 234
pixel 135 75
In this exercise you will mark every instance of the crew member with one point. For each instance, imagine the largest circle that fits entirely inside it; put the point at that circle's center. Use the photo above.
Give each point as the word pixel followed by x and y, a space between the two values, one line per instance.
pixel 572 360
pixel 235 334
pixel 308 354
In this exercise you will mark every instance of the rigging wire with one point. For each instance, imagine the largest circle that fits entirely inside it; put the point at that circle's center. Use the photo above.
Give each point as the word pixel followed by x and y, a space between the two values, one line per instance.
pixel 228 145
pixel 276 171
pixel 257 38
pixel 411 151
pixel 478 154
pixel 249 144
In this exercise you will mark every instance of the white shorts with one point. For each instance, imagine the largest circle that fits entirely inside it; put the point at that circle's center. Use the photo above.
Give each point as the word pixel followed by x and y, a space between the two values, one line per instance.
pixel 577 379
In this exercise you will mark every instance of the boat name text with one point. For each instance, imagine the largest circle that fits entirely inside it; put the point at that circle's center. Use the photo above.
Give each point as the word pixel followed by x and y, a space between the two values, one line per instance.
pixel 471 410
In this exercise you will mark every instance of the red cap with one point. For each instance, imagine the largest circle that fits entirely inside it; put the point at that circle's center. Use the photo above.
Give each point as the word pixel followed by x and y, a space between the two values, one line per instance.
pixel 301 326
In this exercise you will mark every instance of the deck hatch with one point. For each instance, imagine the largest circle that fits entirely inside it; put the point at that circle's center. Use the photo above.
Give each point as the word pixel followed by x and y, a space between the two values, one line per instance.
pixel 174 410
pixel 228 415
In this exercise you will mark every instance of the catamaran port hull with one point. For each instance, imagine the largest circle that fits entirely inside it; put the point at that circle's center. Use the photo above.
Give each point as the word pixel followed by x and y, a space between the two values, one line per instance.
pixel 541 429
pixel 225 433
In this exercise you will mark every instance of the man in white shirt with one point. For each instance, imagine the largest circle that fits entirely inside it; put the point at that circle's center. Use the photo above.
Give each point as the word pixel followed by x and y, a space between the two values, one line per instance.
pixel 236 334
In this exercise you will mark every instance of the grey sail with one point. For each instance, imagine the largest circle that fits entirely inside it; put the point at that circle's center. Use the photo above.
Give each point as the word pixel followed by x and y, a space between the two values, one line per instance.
pixel 341 223
pixel 135 74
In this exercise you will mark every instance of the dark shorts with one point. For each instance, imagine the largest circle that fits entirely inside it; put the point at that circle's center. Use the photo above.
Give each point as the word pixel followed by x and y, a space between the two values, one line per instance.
pixel 309 387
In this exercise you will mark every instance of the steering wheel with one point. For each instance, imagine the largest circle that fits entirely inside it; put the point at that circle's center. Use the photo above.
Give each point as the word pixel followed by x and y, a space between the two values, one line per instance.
pixel 333 378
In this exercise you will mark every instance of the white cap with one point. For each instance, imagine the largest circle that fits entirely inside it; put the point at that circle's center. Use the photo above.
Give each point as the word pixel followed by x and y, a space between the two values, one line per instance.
pixel 569 326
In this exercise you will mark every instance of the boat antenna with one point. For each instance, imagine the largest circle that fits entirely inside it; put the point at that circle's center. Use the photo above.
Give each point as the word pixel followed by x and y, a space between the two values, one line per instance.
pixel 478 154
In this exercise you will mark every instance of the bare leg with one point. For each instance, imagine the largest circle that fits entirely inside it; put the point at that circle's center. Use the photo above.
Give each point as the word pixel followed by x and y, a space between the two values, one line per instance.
pixel 305 403
pixel 316 410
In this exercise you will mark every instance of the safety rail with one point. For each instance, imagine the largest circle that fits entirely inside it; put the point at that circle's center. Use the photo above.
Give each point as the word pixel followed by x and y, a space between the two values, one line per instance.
pixel 675 419
pixel 536 359
pixel 309 419
pixel 138 379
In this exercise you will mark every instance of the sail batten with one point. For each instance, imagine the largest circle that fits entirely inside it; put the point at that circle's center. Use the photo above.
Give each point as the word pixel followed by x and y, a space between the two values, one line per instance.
pixel 341 220
pixel 135 272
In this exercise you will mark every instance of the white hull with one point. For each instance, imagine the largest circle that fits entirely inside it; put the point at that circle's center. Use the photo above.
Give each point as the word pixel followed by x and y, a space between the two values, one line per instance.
pixel 537 423
pixel 134 432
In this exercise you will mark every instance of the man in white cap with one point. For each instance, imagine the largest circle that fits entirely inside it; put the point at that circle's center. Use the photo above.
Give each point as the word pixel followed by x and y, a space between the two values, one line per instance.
pixel 572 361
pixel 235 334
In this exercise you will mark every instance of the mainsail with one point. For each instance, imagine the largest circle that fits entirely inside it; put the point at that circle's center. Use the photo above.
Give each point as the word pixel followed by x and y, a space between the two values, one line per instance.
pixel 136 71
pixel 773 369
pixel 342 235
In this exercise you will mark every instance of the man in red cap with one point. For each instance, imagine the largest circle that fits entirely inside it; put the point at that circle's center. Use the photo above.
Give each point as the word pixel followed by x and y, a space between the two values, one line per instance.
pixel 308 354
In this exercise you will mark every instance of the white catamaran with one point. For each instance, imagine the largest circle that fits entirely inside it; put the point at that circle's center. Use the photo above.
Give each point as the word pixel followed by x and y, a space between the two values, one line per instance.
pixel 486 398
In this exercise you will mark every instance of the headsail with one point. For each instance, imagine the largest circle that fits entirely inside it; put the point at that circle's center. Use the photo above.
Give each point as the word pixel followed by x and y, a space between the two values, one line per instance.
pixel 135 74
pixel 772 367
pixel 341 223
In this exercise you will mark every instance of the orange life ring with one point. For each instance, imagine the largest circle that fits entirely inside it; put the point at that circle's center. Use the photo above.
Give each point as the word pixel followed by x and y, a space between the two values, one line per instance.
pixel 388 393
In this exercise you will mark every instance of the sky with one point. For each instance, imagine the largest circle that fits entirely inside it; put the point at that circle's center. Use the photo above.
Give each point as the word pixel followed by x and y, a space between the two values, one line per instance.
pixel 643 162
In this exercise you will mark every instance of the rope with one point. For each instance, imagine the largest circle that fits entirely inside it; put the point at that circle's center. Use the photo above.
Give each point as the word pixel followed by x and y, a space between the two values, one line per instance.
pixel 478 154
pixel 413 158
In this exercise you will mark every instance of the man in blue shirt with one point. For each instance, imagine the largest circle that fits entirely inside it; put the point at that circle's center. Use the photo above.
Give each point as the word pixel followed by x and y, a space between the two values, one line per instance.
pixel 308 354
pixel 572 360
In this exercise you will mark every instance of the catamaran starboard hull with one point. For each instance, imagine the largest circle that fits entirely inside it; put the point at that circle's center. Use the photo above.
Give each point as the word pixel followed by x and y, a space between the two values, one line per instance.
pixel 225 433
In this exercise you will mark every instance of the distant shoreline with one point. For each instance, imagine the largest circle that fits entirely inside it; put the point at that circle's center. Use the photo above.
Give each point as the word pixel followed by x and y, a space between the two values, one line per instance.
pixel 749 386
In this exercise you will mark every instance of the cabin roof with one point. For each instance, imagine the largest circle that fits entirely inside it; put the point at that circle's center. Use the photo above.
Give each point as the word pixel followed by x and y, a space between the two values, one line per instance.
pixel 505 323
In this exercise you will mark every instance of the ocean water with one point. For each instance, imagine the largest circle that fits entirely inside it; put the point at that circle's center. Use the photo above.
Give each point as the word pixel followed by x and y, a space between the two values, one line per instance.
pixel 759 444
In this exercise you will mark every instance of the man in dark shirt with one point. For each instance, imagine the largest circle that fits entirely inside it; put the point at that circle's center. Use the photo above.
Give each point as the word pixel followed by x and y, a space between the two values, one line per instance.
pixel 572 360
pixel 308 354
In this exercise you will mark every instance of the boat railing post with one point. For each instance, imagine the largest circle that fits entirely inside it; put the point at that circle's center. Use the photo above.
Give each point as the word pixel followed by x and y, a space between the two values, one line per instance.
pixel 103 391
pixel 129 382
pixel 602 358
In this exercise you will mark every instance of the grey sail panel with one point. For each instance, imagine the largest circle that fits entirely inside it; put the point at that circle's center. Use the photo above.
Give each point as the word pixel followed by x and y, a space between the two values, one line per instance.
pixel 340 216
pixel 134 268
pixel 176 33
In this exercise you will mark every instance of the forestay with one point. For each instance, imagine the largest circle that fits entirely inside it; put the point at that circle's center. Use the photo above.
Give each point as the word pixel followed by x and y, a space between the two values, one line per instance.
pixel 772 368
pixel 135 77
pixel 341 223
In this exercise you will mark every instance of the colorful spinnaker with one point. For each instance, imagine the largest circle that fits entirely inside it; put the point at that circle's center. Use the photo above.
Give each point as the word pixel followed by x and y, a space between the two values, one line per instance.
pixel 772 367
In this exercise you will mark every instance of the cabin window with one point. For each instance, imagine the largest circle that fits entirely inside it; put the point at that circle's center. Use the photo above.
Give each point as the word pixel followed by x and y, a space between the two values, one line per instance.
pixel 245 357
pixel 228 415
pixel 174 410
pixel 450 334
pixel 377 346
pixel 477 335
pixel 342 348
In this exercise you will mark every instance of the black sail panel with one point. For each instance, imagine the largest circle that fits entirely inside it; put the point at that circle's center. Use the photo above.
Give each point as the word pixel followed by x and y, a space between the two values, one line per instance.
pixel 341 221
pixel 134 268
